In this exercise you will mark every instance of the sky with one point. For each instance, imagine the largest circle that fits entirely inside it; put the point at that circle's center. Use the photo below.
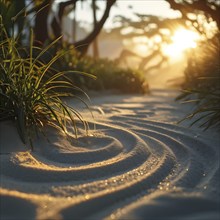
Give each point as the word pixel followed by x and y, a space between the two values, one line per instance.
pixel 122 7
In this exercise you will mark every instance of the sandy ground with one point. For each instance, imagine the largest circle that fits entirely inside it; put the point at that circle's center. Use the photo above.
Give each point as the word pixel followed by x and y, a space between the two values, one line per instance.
pixel 136 163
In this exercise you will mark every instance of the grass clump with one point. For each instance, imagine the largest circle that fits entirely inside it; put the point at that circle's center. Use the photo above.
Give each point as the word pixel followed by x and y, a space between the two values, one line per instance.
pixel 28 89
pixel 202 84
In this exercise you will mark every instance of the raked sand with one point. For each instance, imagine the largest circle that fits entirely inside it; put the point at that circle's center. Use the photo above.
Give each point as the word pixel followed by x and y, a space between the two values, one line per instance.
pixel 137 163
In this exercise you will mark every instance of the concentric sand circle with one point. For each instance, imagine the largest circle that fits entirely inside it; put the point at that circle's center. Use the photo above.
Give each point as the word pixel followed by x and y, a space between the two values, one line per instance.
pixel 136 162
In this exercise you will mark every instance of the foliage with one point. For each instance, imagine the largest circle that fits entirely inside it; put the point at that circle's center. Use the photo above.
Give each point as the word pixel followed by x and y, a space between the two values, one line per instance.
pixel 202 84
pixel 209 8
pixel 154 32
pixel 108 74
pixel 28 89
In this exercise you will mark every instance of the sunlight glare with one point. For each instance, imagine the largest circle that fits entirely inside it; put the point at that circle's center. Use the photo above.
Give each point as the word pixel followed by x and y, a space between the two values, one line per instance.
pixel 181 40
pixel 141 49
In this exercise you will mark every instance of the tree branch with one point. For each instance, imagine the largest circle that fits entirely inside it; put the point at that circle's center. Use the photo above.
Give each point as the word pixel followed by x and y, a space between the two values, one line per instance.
pixel 83 45
pixel 209 8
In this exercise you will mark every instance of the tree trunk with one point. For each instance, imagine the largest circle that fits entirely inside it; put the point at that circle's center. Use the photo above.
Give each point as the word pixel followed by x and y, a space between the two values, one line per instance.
pixel 83 45
pixel 95 42
pixel 57 24
pixel 40 28
pixel 74 24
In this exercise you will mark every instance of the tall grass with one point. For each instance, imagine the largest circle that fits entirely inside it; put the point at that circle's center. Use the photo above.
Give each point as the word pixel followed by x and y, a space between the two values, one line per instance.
pixel 28 89
pixel 202 84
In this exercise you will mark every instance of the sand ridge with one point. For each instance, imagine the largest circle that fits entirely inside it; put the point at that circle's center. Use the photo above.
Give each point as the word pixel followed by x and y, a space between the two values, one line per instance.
pixel 137 163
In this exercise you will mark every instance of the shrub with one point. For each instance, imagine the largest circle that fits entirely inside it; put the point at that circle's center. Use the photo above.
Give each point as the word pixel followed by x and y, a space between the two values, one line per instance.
pixel 108 74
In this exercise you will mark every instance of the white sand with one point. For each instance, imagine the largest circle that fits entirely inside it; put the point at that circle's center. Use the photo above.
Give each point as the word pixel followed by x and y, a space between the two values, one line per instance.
pixel 137 164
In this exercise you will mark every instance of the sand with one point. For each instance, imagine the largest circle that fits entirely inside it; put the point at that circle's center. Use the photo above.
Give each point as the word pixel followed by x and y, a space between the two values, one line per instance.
pixel 136 163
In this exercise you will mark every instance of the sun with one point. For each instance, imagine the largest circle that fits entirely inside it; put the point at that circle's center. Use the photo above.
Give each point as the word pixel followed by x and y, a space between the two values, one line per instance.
pixel 182 40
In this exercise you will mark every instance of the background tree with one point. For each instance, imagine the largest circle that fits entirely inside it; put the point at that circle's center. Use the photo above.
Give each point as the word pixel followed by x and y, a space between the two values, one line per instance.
pixel 209 8
pixel 57 20
pixel 82 45
pixel 95 42
pixel 42 9
pixel 150 27
pixel 196 15
pixel 40 28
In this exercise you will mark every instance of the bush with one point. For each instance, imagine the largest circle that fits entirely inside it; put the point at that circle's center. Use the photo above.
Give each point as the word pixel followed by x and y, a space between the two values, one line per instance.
pixel 108 74
pixel 202 83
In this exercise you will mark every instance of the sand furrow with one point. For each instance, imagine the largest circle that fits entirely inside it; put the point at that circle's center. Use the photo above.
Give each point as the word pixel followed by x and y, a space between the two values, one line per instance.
pixel 137 162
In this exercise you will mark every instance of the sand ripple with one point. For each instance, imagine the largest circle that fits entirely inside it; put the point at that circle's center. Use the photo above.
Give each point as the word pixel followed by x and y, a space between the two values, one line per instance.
pixel 136 162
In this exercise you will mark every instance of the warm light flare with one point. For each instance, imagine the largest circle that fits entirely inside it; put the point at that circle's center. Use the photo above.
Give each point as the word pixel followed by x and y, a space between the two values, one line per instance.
pixel 182 40
pixel 141 49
